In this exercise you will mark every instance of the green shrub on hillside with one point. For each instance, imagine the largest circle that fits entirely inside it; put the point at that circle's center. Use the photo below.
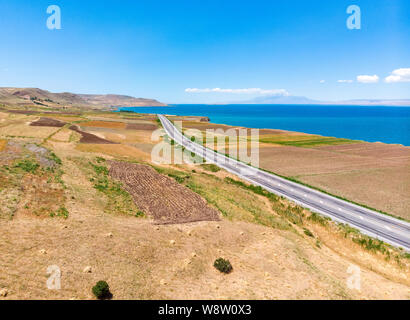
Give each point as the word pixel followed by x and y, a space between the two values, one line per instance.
pixel 102 291
pixel 223 265
pixel 308 232
pixel 28 165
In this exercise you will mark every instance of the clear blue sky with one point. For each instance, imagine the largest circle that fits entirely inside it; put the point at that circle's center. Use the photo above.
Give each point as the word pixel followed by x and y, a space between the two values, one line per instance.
pixel 157 49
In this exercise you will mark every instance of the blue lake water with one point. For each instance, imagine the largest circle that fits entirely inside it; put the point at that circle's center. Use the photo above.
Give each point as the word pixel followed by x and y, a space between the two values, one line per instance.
pixel 368 123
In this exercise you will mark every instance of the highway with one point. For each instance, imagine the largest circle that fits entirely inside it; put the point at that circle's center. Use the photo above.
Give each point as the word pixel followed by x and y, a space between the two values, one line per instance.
pixel 388 229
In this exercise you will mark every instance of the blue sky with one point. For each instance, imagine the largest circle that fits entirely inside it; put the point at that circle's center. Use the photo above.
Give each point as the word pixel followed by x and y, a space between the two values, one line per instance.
pixel 158 49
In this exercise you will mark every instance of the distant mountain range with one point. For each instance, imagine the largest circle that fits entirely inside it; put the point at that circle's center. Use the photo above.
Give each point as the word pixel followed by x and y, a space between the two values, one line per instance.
pixel 303 100
pixel 34 96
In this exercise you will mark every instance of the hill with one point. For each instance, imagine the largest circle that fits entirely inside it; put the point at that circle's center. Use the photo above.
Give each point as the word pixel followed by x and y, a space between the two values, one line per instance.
pixel 23 97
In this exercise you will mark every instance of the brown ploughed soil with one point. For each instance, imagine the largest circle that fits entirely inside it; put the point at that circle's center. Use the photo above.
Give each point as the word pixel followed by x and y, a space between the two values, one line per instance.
pixel 90 138
pixel 160 196
pixel 47 122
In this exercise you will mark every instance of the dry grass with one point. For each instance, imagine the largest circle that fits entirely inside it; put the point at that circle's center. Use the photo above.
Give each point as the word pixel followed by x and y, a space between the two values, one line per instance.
pixel 25 130
pixel 104 124
pixel 139 262
pixel 3 144
pixel 117 150
pixel 271 256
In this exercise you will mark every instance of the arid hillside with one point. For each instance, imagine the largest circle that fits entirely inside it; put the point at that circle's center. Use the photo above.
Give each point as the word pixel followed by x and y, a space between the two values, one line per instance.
pixel 79 192
pixel 34 97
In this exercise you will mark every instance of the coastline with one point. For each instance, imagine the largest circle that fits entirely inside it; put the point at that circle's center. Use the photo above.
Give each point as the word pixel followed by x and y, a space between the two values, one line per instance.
pixel 348 169
pixel 119 109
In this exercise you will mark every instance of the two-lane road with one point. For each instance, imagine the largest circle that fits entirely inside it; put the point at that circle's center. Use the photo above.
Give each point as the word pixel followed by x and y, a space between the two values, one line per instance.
pixel 375 224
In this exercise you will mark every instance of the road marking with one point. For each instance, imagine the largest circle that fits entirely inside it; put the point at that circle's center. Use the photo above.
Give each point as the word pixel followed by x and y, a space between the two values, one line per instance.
pixel 387 227
pixel 339 209
pixel 361 217
pixel 305 195
pixel 321 201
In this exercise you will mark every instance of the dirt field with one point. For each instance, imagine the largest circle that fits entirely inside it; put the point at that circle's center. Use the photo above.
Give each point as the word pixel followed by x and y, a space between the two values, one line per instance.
pixel 161 197
pixel 47 122
pixel 376 175
pixel 90 138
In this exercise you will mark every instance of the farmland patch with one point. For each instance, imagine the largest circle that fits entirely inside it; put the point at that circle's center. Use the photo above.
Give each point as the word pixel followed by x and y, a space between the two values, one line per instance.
pixel 160 196
pixel 89 137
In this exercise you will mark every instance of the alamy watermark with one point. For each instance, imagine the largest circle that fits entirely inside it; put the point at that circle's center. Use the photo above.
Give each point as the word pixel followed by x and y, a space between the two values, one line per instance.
pixel 354 280
pixel 54 20
pixel 217 146
pixel 54 280
pixel 354 20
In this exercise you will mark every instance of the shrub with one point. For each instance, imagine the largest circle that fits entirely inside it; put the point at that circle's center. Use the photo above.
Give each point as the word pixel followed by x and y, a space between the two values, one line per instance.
pixel 28 166
pixel 54 158
pixel 307 232
pixel 223 265
pixel 211 167
pixel 100 159
pixel 319 219
pixel 62 212
pixel 140 214
pixel 101 290
pixel 100 170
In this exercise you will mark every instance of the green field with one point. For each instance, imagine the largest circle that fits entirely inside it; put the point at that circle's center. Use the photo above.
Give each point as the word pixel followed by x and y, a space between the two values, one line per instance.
pixel 305 141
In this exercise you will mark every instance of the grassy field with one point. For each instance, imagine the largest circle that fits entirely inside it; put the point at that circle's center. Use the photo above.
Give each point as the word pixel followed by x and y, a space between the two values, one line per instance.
pixel 305 141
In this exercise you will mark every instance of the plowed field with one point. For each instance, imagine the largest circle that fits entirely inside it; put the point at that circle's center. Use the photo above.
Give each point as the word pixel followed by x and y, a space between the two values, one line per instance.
pixel 90 138
pixel 161 197
pixel 47 122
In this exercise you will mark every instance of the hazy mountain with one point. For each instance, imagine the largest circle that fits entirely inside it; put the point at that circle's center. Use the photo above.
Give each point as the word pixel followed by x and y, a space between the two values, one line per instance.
pixel 303 100
pixel 281 100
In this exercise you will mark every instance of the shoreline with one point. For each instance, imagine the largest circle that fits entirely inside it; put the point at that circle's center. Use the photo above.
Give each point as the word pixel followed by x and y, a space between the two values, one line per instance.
pixel 261 128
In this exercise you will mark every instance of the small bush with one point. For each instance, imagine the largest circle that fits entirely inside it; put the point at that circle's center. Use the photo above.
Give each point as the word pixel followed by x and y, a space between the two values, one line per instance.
pixel 28 166
pixel 223 265
pixel 100 159
pixel 54 158
pixel 319 219
pixel 307 232
pixel 140 214
pixel 62 212
pixel 180 178
pixel 100 170
pixel 102 291
pixel 211 167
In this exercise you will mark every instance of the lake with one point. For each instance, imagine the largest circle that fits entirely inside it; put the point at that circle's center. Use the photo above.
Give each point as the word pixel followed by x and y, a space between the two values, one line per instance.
pixel 368 123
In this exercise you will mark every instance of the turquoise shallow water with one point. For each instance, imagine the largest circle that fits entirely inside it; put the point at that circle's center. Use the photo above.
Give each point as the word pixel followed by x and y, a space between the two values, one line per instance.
pixel 384 124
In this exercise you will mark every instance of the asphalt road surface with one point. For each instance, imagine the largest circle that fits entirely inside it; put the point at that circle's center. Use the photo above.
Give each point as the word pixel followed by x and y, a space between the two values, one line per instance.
pixel 388 229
